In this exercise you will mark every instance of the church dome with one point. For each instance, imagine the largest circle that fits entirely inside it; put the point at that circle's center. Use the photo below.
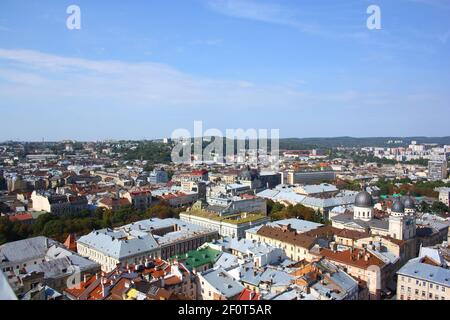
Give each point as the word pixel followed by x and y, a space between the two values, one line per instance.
pixel 364 200
pixel 398 206
pixel 409 203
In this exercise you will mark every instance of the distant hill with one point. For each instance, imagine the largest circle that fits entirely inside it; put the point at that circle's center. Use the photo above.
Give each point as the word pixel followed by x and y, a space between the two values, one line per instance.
pixel 306 143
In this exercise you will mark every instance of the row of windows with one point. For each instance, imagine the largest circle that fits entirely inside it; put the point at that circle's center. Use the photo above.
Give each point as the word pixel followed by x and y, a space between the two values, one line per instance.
pixel 417 292
pixel 18 267
pixel 436 297
pixel 424 284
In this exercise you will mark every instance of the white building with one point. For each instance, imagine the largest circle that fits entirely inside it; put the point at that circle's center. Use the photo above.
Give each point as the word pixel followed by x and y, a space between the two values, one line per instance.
pixel 444 195
pixel 400 225
pixel 136 242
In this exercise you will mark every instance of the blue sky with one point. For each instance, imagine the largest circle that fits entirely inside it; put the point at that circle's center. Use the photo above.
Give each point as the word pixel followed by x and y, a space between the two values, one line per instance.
pixel 143 68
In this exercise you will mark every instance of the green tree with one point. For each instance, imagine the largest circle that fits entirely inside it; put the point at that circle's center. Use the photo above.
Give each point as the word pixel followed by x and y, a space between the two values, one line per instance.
pixel 149 167
pixel 5 230
pixel 439 208
pixel 273 207
pixel 54 229
pixel 161 210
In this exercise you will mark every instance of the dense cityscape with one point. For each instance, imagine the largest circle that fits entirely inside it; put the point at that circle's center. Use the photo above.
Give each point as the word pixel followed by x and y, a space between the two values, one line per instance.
pixel 117 220
pixel 224 158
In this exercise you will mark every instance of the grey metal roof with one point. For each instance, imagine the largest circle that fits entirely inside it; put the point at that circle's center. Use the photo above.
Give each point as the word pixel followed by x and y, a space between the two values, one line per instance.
pixel 290 294
pixel 415 269
pixel 298 224
pixel 137 238
pixel 6 292
pixel 223 282
pixel 277 277
pixel 25 250
pixel 343 198
pixel 378 224
pixel 255 276
pixel 226 261
pixel 281 195
pixel 343 280
pixel 343 218
pixel 432 253
pixel 246 246
pixel 63 266
pixel 105 242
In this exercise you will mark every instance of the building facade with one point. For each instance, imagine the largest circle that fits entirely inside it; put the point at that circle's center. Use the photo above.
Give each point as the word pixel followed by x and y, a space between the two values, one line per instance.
pixel 421 279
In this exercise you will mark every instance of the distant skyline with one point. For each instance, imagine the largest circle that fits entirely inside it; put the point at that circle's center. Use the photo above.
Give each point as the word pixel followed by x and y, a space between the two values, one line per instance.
pixel 405 139
pixel 143 69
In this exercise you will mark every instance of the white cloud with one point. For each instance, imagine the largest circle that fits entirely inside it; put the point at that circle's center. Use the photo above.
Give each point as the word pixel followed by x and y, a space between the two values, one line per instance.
pixel 442 4
pixel 30 78
pixel 270 12
pixel 40 75
pixel 254 10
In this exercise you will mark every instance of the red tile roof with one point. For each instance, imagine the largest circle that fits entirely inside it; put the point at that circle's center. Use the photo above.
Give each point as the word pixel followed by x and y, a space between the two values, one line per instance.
pixel 288 236
pixel 20 217
pixel 199 172
pixel 71 243
pixel 248 295
pixel 169 196
pixel 110 202
pixel 248 196
pixel 352 234
pixel 143 192
pixel 356 258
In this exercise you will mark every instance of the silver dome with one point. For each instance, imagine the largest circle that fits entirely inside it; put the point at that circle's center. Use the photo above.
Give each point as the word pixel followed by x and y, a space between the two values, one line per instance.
pixel 364 200
pixel 409 203
pixel 398 206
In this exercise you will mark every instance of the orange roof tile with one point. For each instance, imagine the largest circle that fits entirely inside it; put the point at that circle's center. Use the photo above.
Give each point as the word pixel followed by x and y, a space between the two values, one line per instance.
pixel 356 257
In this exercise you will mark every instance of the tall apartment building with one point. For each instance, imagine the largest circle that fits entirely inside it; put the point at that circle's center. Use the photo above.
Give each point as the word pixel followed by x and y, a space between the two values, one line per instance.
pixel 437 169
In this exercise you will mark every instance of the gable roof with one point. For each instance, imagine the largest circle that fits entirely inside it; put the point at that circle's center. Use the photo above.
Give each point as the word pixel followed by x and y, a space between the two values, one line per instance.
pixel 356 257
pixel 285 235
